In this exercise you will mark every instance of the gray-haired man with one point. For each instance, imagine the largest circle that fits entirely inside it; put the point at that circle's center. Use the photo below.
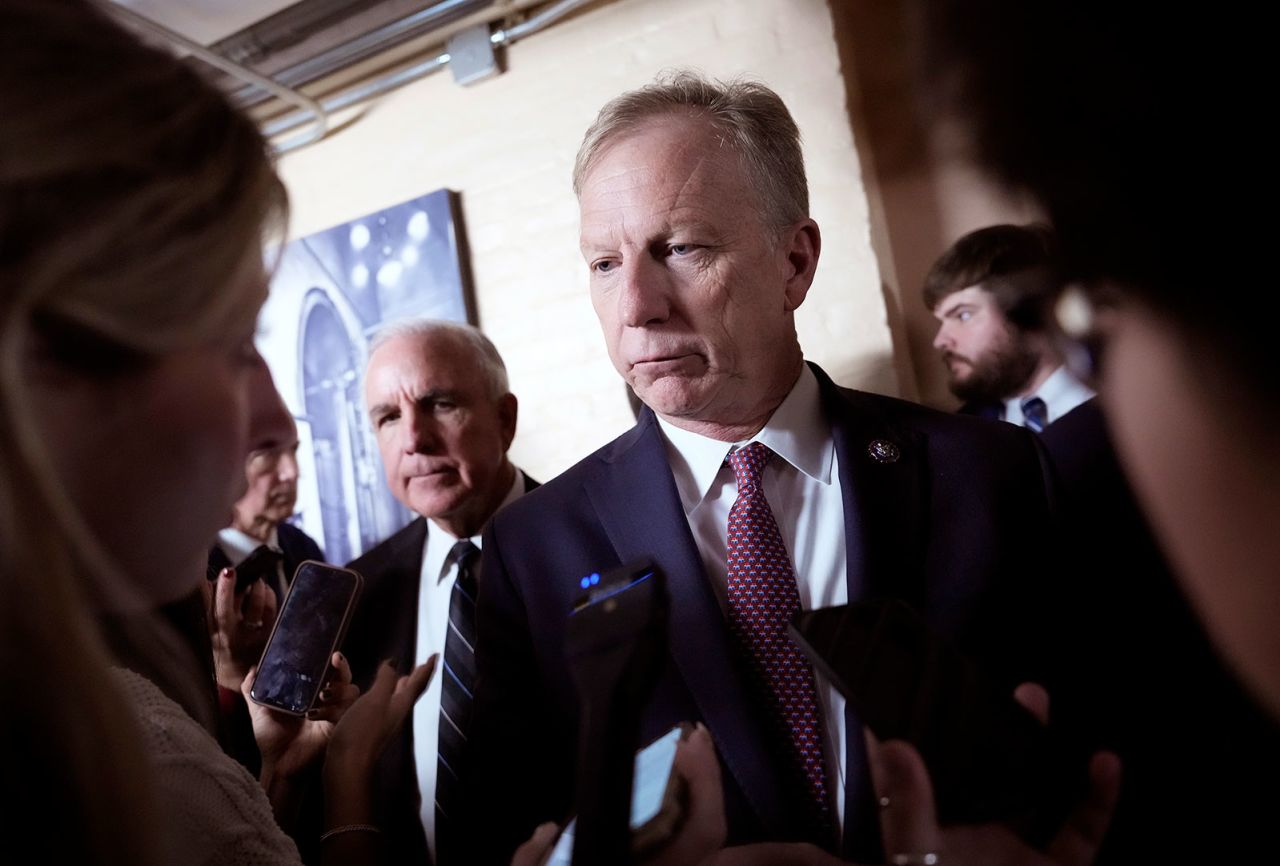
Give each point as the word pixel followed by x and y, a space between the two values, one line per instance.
pixel 444 418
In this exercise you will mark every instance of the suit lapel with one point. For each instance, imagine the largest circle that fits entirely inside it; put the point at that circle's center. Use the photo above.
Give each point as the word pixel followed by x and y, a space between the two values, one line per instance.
pixel 390 604
pixel 883 481
pixel 647 521
pixel 883 485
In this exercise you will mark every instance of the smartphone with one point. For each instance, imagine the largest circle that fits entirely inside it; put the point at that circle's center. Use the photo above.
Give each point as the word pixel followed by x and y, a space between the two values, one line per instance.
pixel 262 563
pixel 310 627
pixel 988 757
pixel 658 801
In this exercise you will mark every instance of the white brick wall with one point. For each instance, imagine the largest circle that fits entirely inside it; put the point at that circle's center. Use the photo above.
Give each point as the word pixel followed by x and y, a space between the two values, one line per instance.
pixel 507 145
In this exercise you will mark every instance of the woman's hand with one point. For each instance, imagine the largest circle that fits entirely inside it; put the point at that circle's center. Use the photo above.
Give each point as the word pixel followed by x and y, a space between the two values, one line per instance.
pixel 239 624
pixel 290 743
pixel 909 824
pixel 371 721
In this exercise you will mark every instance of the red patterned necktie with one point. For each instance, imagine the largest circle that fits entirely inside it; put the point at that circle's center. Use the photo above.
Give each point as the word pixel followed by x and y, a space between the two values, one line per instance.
pixel 762 600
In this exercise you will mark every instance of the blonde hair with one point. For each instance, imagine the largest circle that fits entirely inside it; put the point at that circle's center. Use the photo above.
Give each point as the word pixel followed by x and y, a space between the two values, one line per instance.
pixel 131 197
pixel 751 118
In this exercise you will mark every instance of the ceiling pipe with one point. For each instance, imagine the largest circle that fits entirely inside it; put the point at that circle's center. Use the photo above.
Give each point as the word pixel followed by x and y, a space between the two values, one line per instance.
pixel 386 83
pixel 420 23
pixel 311 110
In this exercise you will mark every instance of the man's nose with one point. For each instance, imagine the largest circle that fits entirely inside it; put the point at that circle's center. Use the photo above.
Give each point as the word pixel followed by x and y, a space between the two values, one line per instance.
pixel 418 432
pixel 643 292
pixel 943 340
pixel 287 468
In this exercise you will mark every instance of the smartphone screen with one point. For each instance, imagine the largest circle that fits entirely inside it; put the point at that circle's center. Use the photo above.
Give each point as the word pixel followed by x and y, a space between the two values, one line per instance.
pixel 648 791
pixel 308 630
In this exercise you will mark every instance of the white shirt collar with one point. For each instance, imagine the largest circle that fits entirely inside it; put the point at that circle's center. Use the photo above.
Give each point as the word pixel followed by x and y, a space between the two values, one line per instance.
pixel 1061 393
pixel 237 545
pixel 440 542
pixel 798 432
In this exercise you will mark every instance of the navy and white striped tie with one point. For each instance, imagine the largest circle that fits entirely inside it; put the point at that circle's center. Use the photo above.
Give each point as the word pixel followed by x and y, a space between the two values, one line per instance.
pixel 1035 414
pixel 457 685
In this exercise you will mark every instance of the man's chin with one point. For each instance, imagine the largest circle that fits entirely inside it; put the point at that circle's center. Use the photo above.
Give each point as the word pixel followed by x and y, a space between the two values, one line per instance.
pixel 437 503
pixel 672 396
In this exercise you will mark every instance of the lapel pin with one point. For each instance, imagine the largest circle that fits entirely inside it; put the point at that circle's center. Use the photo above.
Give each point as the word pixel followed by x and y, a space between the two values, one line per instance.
pixel 883 451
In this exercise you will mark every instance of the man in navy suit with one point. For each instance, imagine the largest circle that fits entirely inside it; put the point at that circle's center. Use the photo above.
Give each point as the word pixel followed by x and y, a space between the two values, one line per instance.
pixel 696 234
pixel 444 417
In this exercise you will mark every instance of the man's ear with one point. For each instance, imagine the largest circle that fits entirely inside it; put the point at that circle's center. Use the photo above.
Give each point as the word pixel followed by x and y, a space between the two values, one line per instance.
pixel 800 244
pixel 508 410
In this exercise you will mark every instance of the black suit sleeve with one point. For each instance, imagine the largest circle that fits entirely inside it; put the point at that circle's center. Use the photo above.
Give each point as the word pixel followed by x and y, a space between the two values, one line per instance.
pixel 521 760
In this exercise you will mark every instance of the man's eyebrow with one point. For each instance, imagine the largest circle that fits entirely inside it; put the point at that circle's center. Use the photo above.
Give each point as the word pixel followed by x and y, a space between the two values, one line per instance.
pixel 380 409
pixel 948 312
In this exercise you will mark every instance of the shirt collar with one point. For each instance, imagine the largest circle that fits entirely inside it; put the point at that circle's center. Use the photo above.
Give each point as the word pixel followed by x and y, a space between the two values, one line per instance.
pixel 1061 392
pixel 237 545
pixel 798 432
pixel 441 541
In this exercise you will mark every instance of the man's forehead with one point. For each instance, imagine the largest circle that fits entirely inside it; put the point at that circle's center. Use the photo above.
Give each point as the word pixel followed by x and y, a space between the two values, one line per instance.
pixel 974 296
pixel 415 364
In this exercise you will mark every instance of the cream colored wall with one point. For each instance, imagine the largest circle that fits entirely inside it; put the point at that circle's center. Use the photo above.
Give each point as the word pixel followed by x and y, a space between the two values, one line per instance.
pixel 507 145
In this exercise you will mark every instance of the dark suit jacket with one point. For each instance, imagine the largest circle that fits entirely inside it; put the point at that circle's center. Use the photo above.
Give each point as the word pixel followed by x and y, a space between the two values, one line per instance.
pixel 385 627
pixel 1142 678
pixel 945 527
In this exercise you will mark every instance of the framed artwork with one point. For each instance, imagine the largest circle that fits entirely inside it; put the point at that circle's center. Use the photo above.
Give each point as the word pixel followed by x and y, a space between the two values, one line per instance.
pixel 330 293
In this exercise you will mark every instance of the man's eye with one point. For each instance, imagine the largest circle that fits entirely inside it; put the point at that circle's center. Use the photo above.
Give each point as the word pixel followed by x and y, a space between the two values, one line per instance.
pixel 604 266
pixel 681 249
pixel 964 315
pixel 383 420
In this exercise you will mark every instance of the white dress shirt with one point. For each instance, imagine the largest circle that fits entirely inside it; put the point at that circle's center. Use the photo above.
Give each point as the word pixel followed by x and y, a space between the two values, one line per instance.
pixel 802 485
pixel 1061 393
pixel 435 587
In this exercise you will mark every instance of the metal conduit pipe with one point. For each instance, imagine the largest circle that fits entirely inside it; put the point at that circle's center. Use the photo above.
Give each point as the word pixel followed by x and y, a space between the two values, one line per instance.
pixel 317 66
pixel 312 111
pixel 387 83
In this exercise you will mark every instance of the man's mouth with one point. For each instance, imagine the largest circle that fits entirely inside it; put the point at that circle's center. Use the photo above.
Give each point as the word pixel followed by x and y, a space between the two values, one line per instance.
pixel 658 363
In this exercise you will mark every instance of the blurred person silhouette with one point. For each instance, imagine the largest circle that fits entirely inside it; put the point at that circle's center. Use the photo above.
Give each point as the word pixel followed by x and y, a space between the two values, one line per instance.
pixel 991 292
pixel 133 206
pixel 1146 163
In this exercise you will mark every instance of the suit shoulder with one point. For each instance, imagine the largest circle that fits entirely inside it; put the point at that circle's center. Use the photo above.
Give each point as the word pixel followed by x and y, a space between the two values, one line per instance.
pixel 903 413
pixel 566 488
pixel 295 536
pixel 392 548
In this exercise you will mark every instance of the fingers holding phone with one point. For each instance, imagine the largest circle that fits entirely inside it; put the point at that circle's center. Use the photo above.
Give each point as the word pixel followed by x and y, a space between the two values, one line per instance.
pixel 240 622
pixel 704 827
pixel 338 693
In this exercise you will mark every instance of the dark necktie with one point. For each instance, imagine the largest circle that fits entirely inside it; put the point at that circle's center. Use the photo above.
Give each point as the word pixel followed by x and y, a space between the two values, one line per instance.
pixel 261 563
pixel 762 599
pixel 1035 414
pixel 457 685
